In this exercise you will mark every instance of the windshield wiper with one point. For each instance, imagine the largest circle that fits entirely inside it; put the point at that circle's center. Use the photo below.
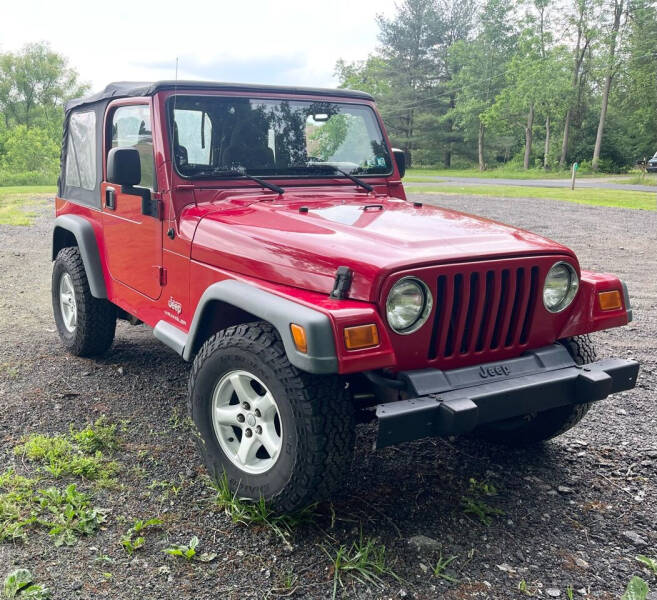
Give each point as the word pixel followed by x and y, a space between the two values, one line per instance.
pixel 348 175
pixel 234 173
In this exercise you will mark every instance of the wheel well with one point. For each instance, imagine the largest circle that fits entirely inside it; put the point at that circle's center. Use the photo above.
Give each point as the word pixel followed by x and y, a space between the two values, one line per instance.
pixel 218 315
pixel 62 238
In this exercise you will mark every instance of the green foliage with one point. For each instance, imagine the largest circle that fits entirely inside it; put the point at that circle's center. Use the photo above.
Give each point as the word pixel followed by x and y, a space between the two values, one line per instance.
pixel 441 566
pixel 65 513
pixel 133 539
pixel 260 513
pixel 591 196
pixel 78 453
pixel 188 552
pixel 450 77
pixel 475 501
pixel 20 584
pixel 34 85
pixel 99 436
pixel 70 514
pixel 637 589
pixel 648 562
pixel 365 561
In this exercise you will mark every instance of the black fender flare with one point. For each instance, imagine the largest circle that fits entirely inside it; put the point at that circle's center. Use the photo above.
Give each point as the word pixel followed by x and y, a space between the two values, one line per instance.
pixel 280 312
pixel 83 232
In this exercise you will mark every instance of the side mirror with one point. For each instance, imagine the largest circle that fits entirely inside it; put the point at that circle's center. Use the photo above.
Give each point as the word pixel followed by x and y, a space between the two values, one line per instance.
pixel 124 167
pixel 400 159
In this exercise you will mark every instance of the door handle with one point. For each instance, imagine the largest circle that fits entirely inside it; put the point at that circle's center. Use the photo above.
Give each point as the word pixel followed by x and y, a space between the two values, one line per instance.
pixel 110 198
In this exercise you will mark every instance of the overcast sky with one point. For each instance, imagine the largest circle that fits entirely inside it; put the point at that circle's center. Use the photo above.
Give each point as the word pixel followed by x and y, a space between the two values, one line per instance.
pixel 286 42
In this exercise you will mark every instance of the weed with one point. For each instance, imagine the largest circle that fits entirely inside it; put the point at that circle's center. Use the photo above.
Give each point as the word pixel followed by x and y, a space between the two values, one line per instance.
pixel 637 589
pixel 570 593
pixel 364 561
pixel 65 455
pixel 441 565
pixel 15 505
pixel 20 583
pixel 260 513
pixel 131 543
pixel 189 552
pixel 71 514
pixel 99 436
pixel 474 501
pixel 648 562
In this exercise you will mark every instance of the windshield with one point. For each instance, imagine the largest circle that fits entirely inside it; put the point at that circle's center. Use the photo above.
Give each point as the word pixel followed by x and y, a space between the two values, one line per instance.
pixel 216 137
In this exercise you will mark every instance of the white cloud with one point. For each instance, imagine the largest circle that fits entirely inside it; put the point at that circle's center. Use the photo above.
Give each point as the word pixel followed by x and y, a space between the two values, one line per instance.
pixel 291 42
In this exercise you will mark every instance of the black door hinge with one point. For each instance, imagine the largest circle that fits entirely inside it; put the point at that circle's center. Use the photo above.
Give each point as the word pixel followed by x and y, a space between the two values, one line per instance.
pixel 343 277
pixel 163 276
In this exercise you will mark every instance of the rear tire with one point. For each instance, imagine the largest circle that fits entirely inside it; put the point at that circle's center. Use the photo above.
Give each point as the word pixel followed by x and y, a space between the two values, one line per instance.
pixel 310 419
pixel 542 426
pixel 86 325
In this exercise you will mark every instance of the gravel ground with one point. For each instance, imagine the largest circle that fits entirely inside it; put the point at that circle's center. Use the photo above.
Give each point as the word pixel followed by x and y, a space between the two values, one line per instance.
pixel 576 512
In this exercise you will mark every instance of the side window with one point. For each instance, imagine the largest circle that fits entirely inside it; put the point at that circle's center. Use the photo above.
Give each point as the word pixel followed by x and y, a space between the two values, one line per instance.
pixel 81 151
pixel 131 128
pixel 192 137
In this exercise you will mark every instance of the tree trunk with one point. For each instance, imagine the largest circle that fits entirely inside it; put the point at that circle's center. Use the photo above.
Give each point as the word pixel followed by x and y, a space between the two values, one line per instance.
pixel 529 129
pixel 547 143
pixel 601 124
pixel 566 136
pixel 447 161
pixel 480 147
pixel 618 13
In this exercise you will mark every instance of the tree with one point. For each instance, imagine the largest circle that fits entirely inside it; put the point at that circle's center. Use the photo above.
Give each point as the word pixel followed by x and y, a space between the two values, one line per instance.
pixel 407 44
pixel 34 85
pixel 585 31
pixel 618 15
pixel 482 66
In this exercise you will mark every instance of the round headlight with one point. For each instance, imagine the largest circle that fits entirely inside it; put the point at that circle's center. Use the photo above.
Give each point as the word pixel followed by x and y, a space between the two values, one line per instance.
pixel 408 305
pixel 561 285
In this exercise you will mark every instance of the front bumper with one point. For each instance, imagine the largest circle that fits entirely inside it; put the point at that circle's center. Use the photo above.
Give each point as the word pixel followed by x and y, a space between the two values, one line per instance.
pixel 457 401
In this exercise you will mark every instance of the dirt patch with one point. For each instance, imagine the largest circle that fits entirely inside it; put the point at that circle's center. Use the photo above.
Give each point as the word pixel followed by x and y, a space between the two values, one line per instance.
pixel 574 513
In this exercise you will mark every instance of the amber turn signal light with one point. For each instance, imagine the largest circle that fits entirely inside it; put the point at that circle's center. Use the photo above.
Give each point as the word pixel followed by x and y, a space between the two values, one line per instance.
pixel 361 336
pixel 610 300
pixel 299 337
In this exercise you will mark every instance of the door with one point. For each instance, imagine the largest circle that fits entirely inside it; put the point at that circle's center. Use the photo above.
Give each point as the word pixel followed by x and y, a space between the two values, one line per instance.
pixel 133 231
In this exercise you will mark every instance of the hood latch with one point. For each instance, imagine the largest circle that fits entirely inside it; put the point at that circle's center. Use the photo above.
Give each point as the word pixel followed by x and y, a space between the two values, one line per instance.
pixel 343 277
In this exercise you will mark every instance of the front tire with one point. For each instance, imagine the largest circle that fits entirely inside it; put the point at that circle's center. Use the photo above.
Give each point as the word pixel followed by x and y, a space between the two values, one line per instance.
pixel 539 427
pixel 276 432
pixel 86 325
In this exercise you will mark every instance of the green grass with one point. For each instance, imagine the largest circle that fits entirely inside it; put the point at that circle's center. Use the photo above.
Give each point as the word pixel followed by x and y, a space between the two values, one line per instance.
pixel 593 196
pixel 498 173
pixel 16 200
pixel 639 179
pixel 365 561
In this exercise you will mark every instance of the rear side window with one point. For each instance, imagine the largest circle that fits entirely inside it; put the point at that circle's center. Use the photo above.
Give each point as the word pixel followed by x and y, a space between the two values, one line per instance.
pixel 81 151
pixel 131 128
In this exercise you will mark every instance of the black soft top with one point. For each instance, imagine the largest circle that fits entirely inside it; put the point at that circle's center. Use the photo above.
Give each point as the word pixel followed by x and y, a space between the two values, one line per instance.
pixel 127 89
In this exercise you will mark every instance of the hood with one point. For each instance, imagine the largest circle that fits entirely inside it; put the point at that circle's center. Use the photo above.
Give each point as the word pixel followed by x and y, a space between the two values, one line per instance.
pixel 301 239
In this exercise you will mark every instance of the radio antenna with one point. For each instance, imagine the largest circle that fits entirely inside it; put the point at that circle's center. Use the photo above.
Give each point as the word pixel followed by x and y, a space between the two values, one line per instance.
pixel 171 232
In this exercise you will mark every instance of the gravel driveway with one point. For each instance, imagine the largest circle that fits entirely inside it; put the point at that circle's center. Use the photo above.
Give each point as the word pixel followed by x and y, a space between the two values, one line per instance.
pixel 575 512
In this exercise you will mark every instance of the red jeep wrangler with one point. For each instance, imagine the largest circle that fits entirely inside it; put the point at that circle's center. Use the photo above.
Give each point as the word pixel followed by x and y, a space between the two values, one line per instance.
pixel 264 234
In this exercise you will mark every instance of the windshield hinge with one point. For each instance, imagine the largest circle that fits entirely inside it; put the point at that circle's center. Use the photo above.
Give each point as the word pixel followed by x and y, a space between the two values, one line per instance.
pixel 163 276
pixel 343 277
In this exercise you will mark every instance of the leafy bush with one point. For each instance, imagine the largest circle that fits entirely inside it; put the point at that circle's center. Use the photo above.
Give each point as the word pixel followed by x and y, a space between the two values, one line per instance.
pixel 32 151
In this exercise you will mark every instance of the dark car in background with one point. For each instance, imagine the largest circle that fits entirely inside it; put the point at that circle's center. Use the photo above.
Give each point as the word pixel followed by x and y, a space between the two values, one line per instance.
pixel 651 167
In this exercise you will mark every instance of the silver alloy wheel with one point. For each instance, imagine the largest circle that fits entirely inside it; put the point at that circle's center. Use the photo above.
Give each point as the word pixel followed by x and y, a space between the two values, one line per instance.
pixel 67 304
pixel 246 422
